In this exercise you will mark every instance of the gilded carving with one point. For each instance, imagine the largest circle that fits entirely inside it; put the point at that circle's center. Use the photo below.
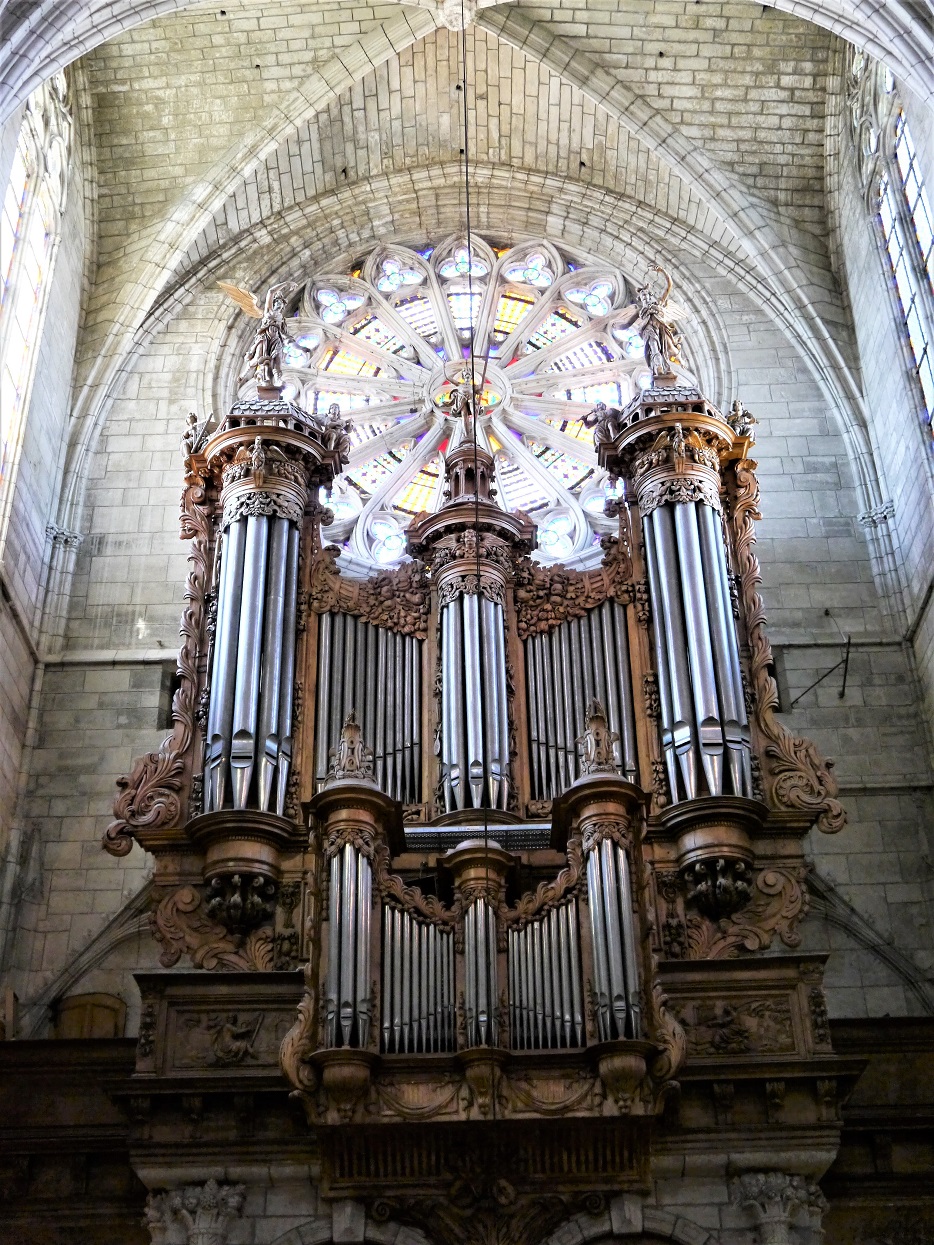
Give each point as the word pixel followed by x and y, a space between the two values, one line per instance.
pixel 183 927
pixel 397 600
pixel 149 797
pixel 778 903
pixel 796 777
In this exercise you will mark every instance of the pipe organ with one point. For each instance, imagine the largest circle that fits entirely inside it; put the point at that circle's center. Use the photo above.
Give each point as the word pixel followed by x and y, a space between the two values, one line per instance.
pixel 488 803
pixel 582 660
pixel 376 672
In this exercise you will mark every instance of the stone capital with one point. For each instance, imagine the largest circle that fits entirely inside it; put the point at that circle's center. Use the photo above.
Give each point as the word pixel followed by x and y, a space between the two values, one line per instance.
pixel 199 1214
pixel 775 1200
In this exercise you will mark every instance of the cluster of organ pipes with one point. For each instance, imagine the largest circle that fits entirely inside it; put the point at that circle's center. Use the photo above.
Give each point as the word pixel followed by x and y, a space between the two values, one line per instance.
pixel 546 1003
pixel 480 988
pixel 581 660
pixel 349 991
pixel 474 711
pixel 703 711
pixel 613 939
pixel 377 673
pixel 249 730
pixel 418 984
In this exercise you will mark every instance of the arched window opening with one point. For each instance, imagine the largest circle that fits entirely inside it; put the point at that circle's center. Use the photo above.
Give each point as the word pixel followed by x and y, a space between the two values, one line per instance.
pixel 388 342
pixel 888 165
pixel 33 203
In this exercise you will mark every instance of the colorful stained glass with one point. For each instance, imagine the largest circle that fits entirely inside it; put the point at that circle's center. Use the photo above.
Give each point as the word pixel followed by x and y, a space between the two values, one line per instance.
pixel 420 493
pixel 534 270
pixel 462 264
pixel 511 310
pixel 394 274
pixel 337 306
pixel 372 330
pixel 571 472
pixel 559 323
pixel 517 488
pixel 596 299
pixel 419 314
pixel 371 475
pixel 342 362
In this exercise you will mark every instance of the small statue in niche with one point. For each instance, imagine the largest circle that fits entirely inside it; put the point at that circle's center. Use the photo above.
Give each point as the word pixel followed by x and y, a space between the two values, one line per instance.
pixel 351 758
pixel 597 744
pixel 263 360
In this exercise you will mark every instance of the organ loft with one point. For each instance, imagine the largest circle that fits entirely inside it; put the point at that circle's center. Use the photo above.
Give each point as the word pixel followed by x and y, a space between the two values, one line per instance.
pixel 479 877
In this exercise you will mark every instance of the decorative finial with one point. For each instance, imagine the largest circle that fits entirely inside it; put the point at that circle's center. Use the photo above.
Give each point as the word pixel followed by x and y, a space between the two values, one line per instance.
pixel 263 360
pixel 597 744
pixel 655 320
pixel 351 758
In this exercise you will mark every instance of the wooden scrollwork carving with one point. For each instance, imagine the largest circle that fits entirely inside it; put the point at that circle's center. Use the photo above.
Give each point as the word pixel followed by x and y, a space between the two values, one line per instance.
pixel 181 925
pixel 396 600
pixel 796 776
pixel 548 895
pixel 779 901
pixel 149 797
pixel 547 596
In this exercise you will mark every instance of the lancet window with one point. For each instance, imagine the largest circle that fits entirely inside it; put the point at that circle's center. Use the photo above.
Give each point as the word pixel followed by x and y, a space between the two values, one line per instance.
pixel 389 339
pixel 892 177
pixel 29 232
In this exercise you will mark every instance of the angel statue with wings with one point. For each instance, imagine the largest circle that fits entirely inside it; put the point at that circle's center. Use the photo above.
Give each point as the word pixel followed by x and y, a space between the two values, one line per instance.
pixel 655 316
pixel 264 357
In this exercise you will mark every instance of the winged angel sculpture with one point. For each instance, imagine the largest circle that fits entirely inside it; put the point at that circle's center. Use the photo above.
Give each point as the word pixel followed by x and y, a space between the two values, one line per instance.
pixel 655 316
pixel 263 360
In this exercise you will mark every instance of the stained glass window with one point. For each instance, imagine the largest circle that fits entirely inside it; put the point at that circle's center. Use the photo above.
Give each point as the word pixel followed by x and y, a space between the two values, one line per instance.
pixel 392 361
pixel 908 229
pixel 29 230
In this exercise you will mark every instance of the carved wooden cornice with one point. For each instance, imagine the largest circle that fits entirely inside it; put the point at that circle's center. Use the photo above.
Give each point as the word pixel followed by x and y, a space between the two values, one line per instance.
pixel 150 797
pixel 796 776
pixel 397 600
pixel 547 596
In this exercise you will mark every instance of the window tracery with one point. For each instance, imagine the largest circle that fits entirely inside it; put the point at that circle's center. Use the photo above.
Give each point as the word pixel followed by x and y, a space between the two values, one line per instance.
pixel 388 340
pixel 33 203
pixel 888 167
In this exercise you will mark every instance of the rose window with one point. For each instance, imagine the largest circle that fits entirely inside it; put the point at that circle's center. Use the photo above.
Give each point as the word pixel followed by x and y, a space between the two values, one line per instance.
pixel 390 341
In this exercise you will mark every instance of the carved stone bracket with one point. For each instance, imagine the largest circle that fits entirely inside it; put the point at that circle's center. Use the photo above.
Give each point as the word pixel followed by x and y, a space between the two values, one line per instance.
pixel 182 925
pixel 204 1213
pixel 397 600
pixel 796 776
pixel 149 797
pixel 776 1200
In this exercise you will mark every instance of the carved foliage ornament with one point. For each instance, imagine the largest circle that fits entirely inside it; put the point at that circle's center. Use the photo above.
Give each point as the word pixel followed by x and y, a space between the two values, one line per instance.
pixel 181 924
pixel 796 776
pixel 149 797
pixel 397 599
pixel 547 596
pixel 779 901
pixel 204 1212
pixel 258 504
pixel 678 489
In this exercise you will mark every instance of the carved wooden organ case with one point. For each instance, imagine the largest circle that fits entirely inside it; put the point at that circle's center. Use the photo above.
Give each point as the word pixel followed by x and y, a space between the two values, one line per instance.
pixel 524 827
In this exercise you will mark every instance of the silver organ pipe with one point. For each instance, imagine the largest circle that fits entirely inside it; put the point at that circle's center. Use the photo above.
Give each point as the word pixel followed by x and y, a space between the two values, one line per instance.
pixel 480 988
pixel 417 987
pixel 581 660
pixel 703 711
pixel 546 1000
pixel 474 710
pixel 348 990
pixel 378 673
pixel 613 934
pixel 249 730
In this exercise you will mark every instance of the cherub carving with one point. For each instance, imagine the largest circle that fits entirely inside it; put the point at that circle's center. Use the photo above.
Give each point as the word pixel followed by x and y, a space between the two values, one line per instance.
pixel 263 360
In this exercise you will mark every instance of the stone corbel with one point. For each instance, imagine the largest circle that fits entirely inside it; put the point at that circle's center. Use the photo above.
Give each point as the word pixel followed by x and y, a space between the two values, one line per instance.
pixel 776 1201
pixel 194 1215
